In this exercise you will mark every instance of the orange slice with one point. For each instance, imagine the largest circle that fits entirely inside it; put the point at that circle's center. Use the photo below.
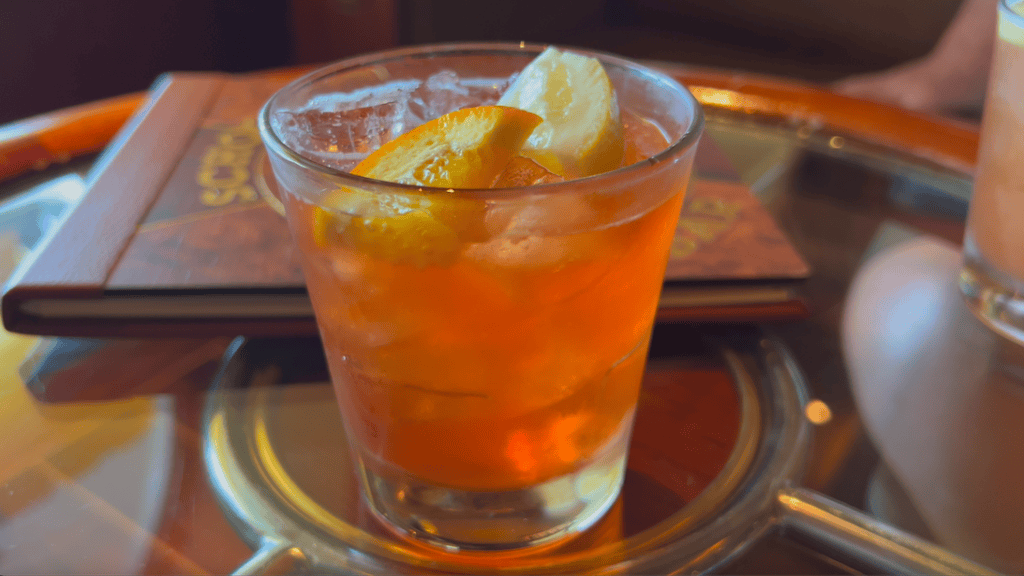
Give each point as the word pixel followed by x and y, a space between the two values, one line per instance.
pixel 522 171
pixel 468 148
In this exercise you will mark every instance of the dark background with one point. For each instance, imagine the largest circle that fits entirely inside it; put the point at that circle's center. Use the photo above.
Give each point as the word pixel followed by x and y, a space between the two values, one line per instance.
pixel 56 53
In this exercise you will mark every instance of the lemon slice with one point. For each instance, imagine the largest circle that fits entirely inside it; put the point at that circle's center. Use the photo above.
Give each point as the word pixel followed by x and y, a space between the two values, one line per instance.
pixel 582 133
pixel 468 148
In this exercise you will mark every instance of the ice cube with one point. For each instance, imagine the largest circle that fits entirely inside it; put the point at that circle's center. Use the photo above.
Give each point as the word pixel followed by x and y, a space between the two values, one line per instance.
pixel 556 214
pixel 539 232
pixel 519 252
pixel 440 94
pixel 445 92
pixel 348 267
pixel 498 217
pixel 339 130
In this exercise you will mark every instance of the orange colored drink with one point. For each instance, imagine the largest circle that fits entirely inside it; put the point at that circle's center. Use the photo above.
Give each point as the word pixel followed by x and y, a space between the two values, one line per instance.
pixel 488 368
pixel 512 364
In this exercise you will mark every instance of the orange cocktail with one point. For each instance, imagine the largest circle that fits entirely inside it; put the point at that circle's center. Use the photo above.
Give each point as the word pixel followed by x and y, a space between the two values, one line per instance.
pixel 487 345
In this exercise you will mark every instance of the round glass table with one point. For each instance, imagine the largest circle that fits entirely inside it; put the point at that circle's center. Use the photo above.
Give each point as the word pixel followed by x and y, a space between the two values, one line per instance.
pixel 843 442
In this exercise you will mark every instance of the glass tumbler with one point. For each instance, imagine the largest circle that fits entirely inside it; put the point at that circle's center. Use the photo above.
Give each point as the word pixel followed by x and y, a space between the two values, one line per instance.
pixel 992 275
pixel 486 346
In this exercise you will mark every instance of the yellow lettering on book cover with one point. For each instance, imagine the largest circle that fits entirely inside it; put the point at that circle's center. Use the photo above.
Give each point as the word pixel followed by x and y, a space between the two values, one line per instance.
pixel 224 170
pixel 706 230
pixel 683 247
pixel 703 220
pixel 714 207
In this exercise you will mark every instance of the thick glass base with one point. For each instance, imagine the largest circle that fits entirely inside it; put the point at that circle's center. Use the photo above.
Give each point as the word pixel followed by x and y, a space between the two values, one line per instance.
pixel 996 299
pixel 459 520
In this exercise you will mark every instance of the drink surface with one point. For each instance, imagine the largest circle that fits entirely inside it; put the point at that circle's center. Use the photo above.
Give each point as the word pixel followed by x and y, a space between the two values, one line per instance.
pixel 998 200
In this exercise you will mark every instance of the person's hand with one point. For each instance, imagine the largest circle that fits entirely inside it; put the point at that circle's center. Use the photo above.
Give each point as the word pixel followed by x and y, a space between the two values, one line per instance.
pixel 929 85
pixel 951 78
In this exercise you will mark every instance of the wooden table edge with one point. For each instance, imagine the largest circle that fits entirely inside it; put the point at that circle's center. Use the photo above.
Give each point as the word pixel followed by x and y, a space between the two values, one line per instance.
pixel 57 137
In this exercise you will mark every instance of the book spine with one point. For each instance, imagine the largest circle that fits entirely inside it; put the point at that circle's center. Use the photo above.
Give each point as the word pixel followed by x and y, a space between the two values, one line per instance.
pixel 77 258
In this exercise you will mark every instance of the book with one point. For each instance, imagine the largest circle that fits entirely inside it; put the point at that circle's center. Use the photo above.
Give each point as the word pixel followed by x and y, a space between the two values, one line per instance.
pixel 180 233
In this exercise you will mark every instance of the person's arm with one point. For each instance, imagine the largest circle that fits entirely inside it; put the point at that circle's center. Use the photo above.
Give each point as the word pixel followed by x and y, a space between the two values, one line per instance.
pixel 951 77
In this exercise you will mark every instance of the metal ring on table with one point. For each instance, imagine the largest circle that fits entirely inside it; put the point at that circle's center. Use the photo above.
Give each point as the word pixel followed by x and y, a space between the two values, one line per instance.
pixel 757 491
pixel 278 519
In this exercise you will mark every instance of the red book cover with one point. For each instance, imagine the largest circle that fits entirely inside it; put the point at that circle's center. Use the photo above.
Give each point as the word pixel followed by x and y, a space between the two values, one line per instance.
pixel 178 234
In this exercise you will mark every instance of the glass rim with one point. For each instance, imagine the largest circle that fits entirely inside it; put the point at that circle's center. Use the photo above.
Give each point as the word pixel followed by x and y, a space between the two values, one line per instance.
pixel 675 149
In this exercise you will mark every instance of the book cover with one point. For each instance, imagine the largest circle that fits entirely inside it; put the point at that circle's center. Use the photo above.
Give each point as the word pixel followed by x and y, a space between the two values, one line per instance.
pixel 179 234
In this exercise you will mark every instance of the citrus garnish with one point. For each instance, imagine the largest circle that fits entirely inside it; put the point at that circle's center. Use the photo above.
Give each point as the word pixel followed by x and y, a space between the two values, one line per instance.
pixel 468 148
pixel 582 130
pixel 522 171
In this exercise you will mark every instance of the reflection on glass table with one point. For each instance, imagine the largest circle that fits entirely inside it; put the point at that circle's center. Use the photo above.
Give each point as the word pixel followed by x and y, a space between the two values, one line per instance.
pixel 940 396
pixel 109 477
